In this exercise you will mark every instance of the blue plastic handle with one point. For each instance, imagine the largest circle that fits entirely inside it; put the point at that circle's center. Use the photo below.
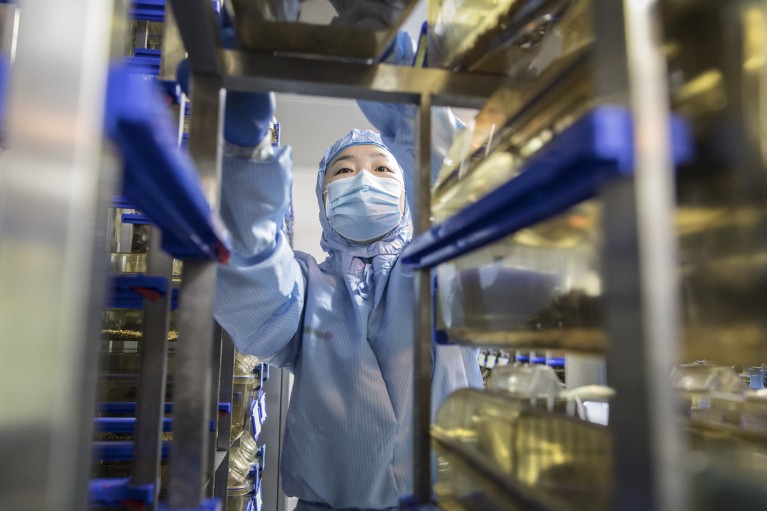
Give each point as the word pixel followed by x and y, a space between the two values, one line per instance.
pixel 557 362
pixel 160 179
pixel 113 492
pixel 124 424
pixel 145 62
pixel 129 407
pixel 121 451
pixel 135 219
pixel 124 407
pixel 120 201
pixel 147 10
pixel 154 10
pixel 129 291
pixel 570 169
pixel 212 504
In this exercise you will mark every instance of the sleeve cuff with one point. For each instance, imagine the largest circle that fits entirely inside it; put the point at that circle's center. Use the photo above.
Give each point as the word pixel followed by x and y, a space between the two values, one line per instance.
pixel 261 152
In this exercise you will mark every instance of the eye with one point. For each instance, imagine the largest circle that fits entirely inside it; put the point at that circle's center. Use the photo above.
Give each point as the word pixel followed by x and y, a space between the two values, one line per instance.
pixel 383 168
pixel 343 170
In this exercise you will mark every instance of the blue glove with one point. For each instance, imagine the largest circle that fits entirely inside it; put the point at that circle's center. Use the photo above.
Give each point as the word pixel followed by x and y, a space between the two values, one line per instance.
pixel 247 114
pixel 247 117
pixel 371 14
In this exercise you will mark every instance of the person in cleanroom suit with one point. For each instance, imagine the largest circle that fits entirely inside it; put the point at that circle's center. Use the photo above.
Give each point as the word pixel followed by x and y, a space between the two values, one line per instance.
pixel 343 326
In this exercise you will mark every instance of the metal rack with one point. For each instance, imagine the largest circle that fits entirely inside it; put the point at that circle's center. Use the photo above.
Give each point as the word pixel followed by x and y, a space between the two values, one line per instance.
pixel 48 309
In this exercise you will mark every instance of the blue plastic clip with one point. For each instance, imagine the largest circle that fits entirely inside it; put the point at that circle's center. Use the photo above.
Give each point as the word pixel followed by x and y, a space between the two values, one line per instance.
pixel 255 425
pixel 556 362
pixel 264 372
pixel 147 10
pixel 261 457
pixel 121 202
pixel 124 424
pixel 121 451
pixel 129 407
pixel 113 492
pixel 261 407
pixel 135 219
pixel 144 62
pixel 207 505
pixel 129 291
pixel 154 10
pixel 124 407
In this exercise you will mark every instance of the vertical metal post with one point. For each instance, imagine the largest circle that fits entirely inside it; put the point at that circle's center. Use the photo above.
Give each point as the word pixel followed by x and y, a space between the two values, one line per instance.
pixel 224 439
pixel 422 362
pixel 150 402
pixel 172 46
pixel 9 24
pixel 193 379
pixel 191 386
pixel 213 410
pixel 54 196
pixel 655 196
pixel 277 390
pixel 639 261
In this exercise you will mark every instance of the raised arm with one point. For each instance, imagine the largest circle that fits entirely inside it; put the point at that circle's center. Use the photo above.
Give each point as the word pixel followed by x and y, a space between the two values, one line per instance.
pixel 260 293
pixel 396 122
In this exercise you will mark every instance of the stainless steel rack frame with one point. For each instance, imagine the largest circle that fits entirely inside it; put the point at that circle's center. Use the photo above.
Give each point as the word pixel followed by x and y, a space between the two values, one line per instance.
pixel 55 182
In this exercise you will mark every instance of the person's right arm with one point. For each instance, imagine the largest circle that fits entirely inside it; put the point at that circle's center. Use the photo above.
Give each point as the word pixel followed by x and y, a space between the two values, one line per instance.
pixel 260 293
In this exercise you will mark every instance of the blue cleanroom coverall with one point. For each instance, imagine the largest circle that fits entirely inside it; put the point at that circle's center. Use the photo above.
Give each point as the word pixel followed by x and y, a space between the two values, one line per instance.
pixel 343 326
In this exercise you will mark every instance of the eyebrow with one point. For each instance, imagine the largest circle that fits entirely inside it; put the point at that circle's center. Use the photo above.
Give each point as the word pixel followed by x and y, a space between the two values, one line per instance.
pixel 343 157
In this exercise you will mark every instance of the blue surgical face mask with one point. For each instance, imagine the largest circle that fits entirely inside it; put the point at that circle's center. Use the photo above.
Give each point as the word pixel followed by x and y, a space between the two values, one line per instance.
pixel 363 207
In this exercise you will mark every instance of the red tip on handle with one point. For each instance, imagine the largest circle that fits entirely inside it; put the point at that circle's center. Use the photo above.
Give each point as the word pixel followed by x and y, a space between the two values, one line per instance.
pixel 149 294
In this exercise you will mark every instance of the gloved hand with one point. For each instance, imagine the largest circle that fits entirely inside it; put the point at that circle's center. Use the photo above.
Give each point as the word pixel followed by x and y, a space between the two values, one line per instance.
pixel 372 14
pixel 247 117
pixel 247 114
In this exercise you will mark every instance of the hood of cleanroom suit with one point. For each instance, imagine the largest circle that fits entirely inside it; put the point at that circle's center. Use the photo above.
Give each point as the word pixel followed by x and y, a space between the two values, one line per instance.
pixel 393 242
